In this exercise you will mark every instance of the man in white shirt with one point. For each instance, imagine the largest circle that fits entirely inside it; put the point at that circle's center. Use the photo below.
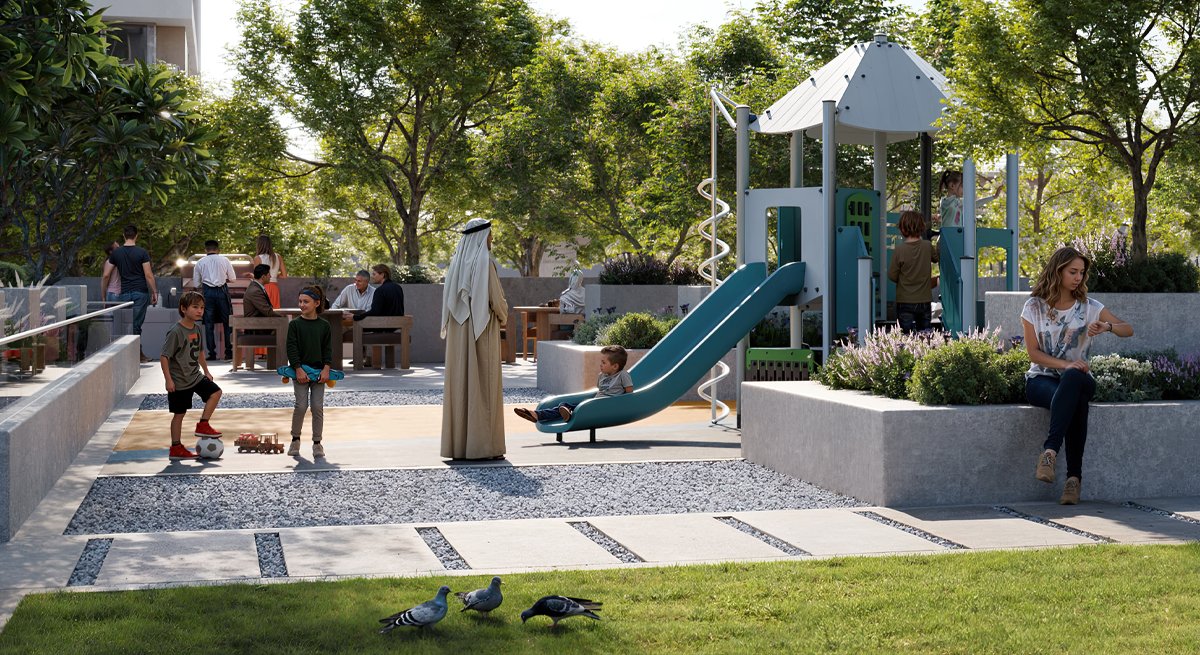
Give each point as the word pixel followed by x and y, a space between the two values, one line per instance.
pixel 211 276
pixel 355 296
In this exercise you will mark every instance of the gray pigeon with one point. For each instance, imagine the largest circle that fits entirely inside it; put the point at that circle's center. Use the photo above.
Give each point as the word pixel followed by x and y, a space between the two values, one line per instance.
pixel 561 607
pixel 482 600
pixel 421 616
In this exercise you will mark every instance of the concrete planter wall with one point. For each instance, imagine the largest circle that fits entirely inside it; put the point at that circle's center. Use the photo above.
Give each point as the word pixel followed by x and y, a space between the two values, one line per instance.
pixel 1160 320
pixel 899 453
pixel 566 367
pixel 653 298
pixel 41 435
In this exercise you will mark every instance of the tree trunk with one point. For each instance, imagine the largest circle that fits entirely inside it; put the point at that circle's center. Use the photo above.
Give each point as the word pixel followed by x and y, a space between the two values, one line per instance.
pixel 1141 193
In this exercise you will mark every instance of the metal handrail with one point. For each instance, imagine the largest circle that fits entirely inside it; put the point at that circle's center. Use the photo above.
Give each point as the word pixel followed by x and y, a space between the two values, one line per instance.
pixel 53 326
pixel 719 101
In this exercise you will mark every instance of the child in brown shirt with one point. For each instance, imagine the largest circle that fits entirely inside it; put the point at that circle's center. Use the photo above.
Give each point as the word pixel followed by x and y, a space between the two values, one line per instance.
pixel 910 269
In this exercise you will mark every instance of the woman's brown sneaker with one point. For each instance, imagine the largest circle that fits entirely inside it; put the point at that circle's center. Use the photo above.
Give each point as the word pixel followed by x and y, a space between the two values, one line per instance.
pixel 1070 492
pixel 1045 466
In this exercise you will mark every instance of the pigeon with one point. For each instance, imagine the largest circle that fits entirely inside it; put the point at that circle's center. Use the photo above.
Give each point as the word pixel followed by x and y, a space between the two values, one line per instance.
pixel 482 600
pixel 421 616
pixel 561 607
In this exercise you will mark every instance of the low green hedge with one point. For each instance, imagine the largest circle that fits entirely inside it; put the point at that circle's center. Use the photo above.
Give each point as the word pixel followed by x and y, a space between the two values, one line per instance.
pixel 632 330
pixel 975 369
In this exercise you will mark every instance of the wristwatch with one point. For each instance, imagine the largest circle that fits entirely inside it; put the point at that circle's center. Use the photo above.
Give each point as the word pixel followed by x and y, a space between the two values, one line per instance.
pixel 1109 325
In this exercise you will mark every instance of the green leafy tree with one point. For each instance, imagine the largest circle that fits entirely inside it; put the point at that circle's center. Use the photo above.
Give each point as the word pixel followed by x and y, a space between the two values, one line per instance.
pixel 1121 78
pixel 818 30
pixel 83 141
pixel 393 88
pixel 527 161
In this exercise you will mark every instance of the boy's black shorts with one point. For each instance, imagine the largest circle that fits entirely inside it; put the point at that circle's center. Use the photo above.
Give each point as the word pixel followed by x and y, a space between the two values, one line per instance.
pixel 180 400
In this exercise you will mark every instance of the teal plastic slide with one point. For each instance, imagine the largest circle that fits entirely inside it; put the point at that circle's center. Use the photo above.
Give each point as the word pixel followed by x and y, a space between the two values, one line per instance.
pixel 693 347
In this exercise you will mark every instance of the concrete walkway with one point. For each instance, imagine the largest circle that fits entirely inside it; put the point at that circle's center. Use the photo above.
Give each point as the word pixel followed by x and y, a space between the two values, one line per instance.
pixel 42 558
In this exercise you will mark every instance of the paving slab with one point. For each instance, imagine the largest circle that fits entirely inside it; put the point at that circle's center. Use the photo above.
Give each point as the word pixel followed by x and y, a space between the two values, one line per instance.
pixel 164 557
pixel 1121 524
pixel 680 538
pixel 39 562
pixel 530 543
pixel 360 550
pixel 832 532
pixel 1188 506
pixel 981 527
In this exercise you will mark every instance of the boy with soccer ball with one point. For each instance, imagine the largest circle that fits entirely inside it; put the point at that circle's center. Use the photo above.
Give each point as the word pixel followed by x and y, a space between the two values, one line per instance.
pixel 186 373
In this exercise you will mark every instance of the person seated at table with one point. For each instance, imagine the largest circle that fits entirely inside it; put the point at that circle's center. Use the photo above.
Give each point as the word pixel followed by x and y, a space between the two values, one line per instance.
pixel 255 301
pixel 388 298
pixel 357 296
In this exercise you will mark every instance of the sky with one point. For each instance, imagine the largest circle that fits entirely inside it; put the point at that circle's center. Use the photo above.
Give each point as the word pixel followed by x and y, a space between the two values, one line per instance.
pixel 628 25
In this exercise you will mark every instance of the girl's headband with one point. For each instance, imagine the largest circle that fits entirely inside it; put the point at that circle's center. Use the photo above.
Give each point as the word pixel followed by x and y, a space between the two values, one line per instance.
pixel 310 293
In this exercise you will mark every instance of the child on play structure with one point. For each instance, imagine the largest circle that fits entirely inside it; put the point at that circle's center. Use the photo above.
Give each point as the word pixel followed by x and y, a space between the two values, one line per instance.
pixel 950 210
pixel 910 268
pixel 309 344
pixel 186 373
pixel 613 380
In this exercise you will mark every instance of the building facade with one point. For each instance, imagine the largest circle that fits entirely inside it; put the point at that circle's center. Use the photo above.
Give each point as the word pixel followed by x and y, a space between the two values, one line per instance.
pixel 156 30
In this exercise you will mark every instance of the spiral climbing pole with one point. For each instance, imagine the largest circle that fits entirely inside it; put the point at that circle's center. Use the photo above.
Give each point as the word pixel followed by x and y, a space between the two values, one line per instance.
pixel 718 250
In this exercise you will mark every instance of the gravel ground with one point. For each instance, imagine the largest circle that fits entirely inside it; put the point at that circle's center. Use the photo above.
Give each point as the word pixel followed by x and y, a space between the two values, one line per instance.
pixel 90 561
pixel 437 542
pixel 1162 512
pixel 1058 526
pixel 944 543
pixel 270 555
pixel 606 542
pixel 468 493
pixel 334 398
pixel 764 537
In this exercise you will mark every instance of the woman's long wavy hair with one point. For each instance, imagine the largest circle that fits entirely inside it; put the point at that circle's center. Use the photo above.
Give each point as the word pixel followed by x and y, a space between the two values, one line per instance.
pixel 1050 278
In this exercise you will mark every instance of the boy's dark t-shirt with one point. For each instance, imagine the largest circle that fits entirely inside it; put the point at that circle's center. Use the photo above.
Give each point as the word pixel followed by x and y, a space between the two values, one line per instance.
pixel 309 342
pixel 128 261
pixel 182 350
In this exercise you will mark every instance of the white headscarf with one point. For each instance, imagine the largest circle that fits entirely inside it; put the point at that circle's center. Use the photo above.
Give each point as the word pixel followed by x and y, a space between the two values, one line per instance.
pixel 465 294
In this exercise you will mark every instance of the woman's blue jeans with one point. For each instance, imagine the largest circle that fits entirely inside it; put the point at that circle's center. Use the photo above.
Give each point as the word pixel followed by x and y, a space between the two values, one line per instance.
pixel 1067 399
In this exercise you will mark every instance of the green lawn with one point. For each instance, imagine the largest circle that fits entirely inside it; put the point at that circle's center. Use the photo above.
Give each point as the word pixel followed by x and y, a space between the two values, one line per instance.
pixel 1094 599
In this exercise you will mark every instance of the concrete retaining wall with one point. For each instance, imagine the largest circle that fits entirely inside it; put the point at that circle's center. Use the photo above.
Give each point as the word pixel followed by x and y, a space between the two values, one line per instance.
pixel 42 434
pixel 653 298
pixel 566 367
pixel 899 453
pixel 1160 320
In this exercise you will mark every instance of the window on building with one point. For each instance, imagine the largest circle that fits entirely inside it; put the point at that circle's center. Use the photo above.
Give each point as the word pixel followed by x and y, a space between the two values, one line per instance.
pixel 132 42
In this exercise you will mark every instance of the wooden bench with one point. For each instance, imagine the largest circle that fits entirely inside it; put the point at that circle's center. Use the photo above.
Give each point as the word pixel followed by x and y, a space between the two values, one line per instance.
pixel 275 343
pixel 385 341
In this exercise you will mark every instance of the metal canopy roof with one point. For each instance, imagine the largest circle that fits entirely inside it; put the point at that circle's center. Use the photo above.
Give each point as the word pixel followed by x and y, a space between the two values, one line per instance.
pixel 879 86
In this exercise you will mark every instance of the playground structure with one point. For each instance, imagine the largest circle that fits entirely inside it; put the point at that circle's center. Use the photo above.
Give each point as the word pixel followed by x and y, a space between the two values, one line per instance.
pixel 832 242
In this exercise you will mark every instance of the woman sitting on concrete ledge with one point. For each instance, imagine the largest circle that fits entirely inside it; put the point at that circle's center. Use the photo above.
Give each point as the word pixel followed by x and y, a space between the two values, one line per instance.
pixel 1060 322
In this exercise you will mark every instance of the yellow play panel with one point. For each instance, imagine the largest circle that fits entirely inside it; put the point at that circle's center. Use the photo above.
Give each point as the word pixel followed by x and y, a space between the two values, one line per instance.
pixel 151 429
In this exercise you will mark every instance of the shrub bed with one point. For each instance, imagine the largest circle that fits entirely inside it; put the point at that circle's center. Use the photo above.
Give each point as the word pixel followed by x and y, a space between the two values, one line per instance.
pixel 632 330
pixel 976 369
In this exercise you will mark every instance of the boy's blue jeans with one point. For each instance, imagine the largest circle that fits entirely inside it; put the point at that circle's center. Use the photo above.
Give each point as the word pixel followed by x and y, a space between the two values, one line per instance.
pixel 1067 399
pixel 548 415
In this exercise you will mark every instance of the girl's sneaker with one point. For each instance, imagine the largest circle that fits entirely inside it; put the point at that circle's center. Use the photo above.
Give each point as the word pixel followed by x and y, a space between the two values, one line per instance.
pixel 180 451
